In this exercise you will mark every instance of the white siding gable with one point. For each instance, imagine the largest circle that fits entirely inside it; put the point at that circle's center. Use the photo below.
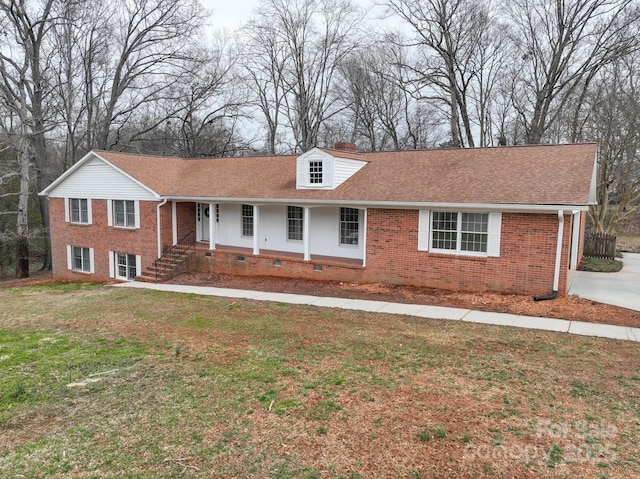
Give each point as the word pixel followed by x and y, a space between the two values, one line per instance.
pixel 97 179
pixel 335 170
pixel 345 169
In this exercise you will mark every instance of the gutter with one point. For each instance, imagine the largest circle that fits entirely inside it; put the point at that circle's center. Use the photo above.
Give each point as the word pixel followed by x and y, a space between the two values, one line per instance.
pixel 160 205
pixel 556 272
pixel 427 205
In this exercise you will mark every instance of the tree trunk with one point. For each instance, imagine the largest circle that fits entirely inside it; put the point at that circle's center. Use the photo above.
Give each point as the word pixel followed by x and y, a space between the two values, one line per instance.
pixel 22 257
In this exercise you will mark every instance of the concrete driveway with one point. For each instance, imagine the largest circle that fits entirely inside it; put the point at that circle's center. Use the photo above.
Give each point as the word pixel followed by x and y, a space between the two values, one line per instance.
pixel 619 289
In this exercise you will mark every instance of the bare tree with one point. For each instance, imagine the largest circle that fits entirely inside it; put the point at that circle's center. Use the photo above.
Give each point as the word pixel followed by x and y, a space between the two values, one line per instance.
pixel 561 46
pixel 449 34
pixel 304 42
pixel 614 122
pixel 23 89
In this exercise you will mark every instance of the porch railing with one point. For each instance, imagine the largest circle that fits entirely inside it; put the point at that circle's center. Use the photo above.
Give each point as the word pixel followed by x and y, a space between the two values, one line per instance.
pixel 171 256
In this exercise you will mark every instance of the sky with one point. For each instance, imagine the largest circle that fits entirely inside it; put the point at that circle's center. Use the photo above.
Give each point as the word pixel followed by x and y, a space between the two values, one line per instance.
pixel 230 14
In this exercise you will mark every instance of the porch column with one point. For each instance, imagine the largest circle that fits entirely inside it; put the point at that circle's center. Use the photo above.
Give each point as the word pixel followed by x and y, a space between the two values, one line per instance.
pixel 256 217
pixel 212 226
pixel 305 233
pixel 364 238
pixel 174 222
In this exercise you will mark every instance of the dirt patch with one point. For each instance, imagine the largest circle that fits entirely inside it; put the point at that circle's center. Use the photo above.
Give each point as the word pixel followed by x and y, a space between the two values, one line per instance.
pixel 568 307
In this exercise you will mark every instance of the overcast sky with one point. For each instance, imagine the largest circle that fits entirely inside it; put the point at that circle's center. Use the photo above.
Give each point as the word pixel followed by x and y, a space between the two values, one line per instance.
pixel 230 14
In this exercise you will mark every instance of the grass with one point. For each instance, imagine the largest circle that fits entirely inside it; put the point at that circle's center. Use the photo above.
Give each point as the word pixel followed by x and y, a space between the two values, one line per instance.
pixel 628 242
pixel 600 265
pixel 202 387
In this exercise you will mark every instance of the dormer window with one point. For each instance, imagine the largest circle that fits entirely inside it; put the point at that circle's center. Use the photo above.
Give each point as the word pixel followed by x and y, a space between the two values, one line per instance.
pixel 315 172
pixel 320 170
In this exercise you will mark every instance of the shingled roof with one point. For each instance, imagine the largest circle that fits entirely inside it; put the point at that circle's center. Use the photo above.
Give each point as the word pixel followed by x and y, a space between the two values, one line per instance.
pixel 516 175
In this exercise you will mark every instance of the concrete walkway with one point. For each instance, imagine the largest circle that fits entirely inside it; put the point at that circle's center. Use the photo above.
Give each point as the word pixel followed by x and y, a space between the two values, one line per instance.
pixel 619 289
pixel 435 312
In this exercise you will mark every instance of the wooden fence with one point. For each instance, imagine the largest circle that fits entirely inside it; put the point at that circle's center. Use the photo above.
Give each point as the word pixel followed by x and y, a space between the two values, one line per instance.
pixel 599 245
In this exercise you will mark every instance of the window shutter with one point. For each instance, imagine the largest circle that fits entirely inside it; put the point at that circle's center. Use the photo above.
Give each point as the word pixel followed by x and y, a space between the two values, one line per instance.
pixel 136 209
pixel 66 209
pixel 423 230
pixel 69 257
pixel 112 265
pixel 493 239
pixel 138 265
pixel 109 213
pixel 89 211
pixel 92 266
pixel 302 176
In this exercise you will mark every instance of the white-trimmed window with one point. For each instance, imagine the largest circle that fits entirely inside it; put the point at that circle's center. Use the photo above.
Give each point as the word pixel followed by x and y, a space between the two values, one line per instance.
pixel 77 210
pixel 460 232
pixel 349 226
pixel 123 213
pixel 295 223
pixel 247 220
pixel 80 259
pixel 126 266
pixel 315 172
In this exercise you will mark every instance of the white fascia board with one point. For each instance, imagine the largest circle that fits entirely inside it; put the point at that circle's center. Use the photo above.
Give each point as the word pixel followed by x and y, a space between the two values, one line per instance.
pixel 511 208
pixel 315 150
pixel 593 188
pixel 89 156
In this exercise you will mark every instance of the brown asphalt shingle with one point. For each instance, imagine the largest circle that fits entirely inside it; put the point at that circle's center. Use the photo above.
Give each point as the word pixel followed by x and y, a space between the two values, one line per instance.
pixel 532 175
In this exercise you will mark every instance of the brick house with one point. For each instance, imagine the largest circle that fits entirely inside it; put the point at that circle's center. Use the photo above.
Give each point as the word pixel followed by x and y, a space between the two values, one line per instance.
pixel 507 219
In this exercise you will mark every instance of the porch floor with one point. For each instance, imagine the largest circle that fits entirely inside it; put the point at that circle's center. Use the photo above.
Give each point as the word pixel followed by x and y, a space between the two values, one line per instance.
pixel 266 253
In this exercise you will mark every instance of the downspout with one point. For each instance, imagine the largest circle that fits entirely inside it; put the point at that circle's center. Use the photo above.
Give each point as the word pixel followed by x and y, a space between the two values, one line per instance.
pixel 556 272
pixel 160 205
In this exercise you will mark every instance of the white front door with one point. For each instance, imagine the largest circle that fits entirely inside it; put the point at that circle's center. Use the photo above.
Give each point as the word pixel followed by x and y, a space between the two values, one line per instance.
pixel 202 221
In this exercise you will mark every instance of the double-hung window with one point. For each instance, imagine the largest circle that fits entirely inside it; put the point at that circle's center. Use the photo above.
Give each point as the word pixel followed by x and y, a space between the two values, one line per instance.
pixel 295 223
pixel 247 220
pixel 460 232
pixel 349 226
pixel 80 259
pixel 79 209
pixel 124 213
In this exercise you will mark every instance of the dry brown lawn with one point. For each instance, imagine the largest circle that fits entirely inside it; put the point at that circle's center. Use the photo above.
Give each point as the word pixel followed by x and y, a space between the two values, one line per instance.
pixel 202 387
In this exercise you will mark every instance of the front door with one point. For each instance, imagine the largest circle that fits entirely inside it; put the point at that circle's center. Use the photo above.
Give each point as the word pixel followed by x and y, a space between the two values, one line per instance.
pixel 202 220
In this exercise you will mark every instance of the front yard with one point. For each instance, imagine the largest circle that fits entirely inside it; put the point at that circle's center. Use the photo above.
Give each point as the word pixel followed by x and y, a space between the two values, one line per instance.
pixel 100 382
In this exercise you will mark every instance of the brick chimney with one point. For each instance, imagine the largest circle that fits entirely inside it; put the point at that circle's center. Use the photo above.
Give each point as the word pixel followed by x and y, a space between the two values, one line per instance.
pixel 343 146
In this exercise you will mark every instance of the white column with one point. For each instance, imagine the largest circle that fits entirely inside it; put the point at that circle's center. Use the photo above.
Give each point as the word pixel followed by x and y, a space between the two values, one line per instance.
pixel 305 232
pixel 174 222
pixel 212 226
pixel 364 238
pixel 256 217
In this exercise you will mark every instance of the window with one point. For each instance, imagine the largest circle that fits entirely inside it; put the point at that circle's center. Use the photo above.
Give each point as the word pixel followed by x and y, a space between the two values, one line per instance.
pixel 315 172
pixel 295 222
pixel 124 213
pixel 349 226
pixel 474 232
pixel 460 232
pixel 81 260
pixel 126 264
pixel 445 232
pixel 79 210
pixel 247 220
